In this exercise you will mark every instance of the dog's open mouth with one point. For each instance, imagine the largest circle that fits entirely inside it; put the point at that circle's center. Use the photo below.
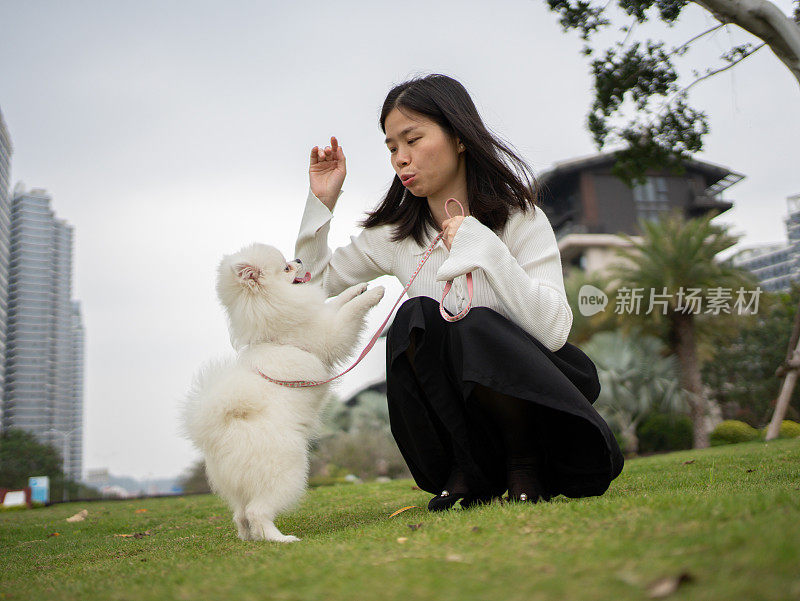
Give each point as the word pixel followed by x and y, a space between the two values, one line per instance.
pixel 303 279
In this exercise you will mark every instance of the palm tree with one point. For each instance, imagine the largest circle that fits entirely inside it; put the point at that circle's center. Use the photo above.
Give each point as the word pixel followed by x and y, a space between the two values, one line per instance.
pixel 585 326
pixel 675 255
pixel 635 379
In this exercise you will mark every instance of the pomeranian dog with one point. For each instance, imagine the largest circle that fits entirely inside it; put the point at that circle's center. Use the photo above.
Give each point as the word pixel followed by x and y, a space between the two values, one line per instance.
pixel 255 434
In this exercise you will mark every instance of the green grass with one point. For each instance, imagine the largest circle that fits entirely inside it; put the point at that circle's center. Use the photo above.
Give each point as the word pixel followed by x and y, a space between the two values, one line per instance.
pixel 730 519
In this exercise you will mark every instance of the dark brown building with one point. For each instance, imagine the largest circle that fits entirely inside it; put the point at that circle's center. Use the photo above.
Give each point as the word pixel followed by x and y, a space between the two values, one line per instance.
pixel 588 206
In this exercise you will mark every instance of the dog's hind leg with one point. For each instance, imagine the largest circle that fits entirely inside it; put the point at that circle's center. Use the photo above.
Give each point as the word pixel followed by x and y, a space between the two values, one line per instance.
pixel 263 528
pixel 242 524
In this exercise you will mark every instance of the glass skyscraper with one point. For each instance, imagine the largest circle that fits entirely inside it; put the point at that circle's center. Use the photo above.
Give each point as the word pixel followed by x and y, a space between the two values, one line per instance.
pixel 44 334
pixel 5 240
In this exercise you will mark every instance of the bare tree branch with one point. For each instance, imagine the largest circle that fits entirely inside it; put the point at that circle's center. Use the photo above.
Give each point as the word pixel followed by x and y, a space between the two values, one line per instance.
pixel 764 20
pixel 682 91
pixel 725 68
pixel 698 36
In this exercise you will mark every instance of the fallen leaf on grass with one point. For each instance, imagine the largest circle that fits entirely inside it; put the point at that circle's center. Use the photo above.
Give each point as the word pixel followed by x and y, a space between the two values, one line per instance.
pixel 476 529
pixel 53 534
pixel 667 585
pixel 688 462
pixel 140 511
pixel 454 557
pixel 750 470
pixel 415 488
pixel 402 539
pixel 135 534
pixel 415 526
pixel 214 517
pixel 404 509
pixel 78 517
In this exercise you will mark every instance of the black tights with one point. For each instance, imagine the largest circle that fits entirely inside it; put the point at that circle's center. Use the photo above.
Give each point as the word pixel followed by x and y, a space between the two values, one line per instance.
pixel 513 417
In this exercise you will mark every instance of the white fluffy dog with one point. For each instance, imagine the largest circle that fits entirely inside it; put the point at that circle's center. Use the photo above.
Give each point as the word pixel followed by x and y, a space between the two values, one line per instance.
pixel 255 434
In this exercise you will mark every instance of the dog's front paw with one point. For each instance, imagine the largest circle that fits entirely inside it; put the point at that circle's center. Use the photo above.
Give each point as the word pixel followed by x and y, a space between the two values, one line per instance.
pixel 352 292
pixel 374 296
pixel 285 538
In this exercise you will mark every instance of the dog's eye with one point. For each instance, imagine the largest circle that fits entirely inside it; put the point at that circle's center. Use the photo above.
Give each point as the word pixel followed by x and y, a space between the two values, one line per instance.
pixel 286 268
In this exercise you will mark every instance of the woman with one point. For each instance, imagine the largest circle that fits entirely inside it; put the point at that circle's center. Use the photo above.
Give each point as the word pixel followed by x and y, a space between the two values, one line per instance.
pixel 498 400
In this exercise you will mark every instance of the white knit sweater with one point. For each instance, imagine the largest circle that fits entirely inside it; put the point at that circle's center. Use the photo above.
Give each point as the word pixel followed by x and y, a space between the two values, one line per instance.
pixel 518 273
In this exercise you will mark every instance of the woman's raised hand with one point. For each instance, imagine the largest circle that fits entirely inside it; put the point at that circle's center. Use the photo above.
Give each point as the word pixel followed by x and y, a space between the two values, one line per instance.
pixel 326 172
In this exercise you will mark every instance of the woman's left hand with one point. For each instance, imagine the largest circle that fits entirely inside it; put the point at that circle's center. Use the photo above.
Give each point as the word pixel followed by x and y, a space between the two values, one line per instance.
pixel 450 227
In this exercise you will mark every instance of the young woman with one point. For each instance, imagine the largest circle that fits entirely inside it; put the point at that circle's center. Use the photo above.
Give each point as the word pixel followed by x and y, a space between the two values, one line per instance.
pixel 498 400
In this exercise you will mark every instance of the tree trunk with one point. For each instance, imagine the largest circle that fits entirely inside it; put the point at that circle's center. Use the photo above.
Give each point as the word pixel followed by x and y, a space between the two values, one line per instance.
pixel 686 350
pixel 783 398
pixel 764 20
pixel 631 440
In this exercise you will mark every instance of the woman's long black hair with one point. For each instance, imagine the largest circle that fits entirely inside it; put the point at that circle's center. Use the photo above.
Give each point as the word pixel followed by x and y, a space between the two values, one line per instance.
pixel 493 189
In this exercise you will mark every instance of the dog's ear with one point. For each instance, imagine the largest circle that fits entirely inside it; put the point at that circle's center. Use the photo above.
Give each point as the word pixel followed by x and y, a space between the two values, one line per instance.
pixel 246 272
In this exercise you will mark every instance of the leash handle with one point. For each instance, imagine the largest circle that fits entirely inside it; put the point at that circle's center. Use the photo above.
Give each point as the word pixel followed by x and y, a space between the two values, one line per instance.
pixel 461 315
pixel 449 284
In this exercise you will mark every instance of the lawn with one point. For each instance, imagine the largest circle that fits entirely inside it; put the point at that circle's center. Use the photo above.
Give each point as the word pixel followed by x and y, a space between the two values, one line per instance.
pixel 719 523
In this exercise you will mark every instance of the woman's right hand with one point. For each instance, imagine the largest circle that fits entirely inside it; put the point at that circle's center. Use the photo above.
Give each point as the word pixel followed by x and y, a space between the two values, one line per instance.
pixel 326 172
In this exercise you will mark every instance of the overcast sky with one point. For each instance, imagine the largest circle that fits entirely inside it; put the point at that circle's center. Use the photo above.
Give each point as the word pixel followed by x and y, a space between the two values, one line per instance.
pixel 170 133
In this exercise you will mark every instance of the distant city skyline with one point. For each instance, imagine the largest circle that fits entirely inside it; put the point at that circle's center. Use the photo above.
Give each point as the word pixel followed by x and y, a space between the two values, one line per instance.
pixel 171 134
pixel 776 264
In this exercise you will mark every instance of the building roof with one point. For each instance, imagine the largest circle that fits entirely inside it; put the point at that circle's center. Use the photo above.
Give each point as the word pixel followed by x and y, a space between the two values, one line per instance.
pixel 719 177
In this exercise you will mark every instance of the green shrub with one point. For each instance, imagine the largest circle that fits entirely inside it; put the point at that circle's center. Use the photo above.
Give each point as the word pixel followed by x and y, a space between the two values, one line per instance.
pixel 789 429
pixel 732 431
pixel 665 432
pixel 367 453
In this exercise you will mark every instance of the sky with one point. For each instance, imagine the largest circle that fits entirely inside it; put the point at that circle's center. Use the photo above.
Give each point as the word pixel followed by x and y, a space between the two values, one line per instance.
pixel 169 134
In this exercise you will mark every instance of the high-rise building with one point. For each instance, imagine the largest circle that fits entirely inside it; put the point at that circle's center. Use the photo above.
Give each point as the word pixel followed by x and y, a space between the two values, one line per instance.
pixel 776 265
pixel 44 336
pixel 5 240
pixel 76 402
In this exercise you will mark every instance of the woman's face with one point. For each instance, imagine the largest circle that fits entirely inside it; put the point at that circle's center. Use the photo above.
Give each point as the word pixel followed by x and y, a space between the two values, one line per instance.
pixel 419 147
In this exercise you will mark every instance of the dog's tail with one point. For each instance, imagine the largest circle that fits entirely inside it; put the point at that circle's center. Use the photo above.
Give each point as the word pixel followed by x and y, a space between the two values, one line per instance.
pixel 215 400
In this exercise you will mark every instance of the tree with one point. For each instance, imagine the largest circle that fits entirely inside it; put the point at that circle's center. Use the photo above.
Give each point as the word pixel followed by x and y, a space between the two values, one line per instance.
pixel 658 138
pixel 23 456
pixel 674 258
pixel 586 326
pixel 742 374
pixel 789 371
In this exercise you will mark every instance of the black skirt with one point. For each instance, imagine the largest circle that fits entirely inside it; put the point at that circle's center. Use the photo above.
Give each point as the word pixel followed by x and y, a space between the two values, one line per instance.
pixel 438 425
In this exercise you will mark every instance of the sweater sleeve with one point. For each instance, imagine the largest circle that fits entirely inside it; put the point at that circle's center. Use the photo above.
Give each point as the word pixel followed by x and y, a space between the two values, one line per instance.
pixel 368 256
pixel 525 275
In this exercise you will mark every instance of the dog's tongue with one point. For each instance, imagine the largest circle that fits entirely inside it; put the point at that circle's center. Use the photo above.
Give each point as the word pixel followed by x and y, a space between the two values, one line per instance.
pixel 304 279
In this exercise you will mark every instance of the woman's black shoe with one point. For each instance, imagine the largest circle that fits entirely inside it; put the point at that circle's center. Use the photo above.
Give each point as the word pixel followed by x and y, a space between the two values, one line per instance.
pixel 455 489
pixel 445 500
pixel 524 483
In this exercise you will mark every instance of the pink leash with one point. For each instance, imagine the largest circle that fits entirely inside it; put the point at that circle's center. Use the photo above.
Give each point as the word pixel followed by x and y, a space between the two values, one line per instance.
pixel 447 286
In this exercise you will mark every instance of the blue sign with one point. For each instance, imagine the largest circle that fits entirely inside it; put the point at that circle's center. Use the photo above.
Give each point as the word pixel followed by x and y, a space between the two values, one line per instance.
pixel 40 489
